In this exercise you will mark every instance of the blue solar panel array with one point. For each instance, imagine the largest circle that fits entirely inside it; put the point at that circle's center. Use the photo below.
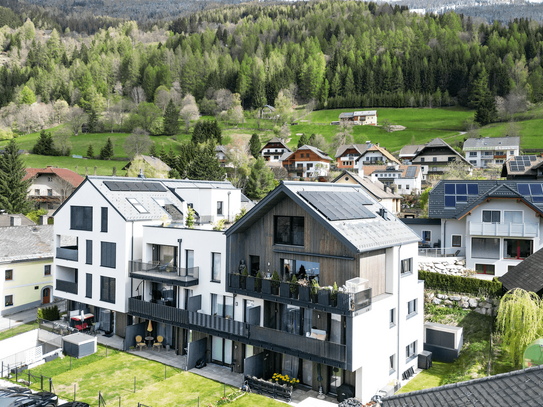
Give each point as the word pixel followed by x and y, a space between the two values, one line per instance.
pixel 458 193
pixel 339 205
pixel 533 190
pixel 411 171
pixel 135 186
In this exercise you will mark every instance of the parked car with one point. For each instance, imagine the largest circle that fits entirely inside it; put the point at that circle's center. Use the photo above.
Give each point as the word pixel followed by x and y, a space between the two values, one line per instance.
pixel 15 399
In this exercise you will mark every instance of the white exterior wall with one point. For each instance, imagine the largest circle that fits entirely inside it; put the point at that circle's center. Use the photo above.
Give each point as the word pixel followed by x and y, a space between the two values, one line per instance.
pixel 205 200
pixel 375 156
pixel 501 265
pixel 47 182
pixel 323 170
pixel 435 232
pixel 409 185
pixel 478 161
pixel 274 153
pixel 375 339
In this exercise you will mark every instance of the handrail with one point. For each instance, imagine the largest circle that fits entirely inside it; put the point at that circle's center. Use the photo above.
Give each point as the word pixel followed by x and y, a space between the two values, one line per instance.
pixel 164 269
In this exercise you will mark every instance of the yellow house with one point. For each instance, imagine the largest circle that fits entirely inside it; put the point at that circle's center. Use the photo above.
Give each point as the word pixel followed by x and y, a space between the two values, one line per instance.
pixel 26 272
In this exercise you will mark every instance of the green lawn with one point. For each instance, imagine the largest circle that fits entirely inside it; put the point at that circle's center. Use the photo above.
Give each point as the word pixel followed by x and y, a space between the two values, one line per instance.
pixel 114 375
pixel 104 167
pixel 474 357
pixel 8 333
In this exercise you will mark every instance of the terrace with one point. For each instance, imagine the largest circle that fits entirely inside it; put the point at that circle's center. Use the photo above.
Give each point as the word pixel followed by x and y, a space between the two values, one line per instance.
pixel 164 273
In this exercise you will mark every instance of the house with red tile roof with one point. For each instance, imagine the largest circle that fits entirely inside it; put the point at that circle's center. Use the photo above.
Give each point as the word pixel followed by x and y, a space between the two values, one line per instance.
pixel 51 186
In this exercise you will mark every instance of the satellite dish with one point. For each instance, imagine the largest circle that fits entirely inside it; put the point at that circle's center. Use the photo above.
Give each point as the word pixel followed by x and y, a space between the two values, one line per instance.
pixel 533 355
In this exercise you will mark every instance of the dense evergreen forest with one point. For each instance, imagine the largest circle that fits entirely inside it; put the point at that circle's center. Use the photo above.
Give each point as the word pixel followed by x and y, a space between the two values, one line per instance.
pixel 337 53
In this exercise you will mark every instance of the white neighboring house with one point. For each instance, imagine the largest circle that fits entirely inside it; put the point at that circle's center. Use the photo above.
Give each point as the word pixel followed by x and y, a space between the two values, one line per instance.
pixel 482 151
pixel 273 150
pixel 406 178
pixel 494 224
pixel 105 217
pixel 51 186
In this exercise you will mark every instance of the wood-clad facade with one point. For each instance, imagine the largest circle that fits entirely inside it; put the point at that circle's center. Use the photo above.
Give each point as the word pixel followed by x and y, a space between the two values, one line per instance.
pixel 337 263
pixel 347 159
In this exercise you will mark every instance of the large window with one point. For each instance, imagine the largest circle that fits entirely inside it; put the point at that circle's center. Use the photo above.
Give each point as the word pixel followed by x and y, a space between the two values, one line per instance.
pixel 9 275
pixel 485 248
pixel 108 254
pixel 456 241
pixel 491 216
pixel 517 248
pixel 426 236
pixel 289 230
pixel 103 225
pixel 81 218
pixel 222 306
pixel 410 351
pixel 407 266
pixel 216 267
pixel 107 289
pixel 512 216
pixel 484 269
pixel 88 286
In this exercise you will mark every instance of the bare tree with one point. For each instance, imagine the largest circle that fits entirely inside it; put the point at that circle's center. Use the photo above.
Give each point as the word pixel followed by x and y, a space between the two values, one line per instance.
pixel 512 129
pixel 137 143
pixel 138 95
pixel 76 116
pixel 188 113
pixel 25 118
pixel 515 102
pixel 162 98
pixel 321 143
pixel 344 135
pixel 62 188
pixel 60 110
pixel 62 141
pixel 224 99
pixel 387 125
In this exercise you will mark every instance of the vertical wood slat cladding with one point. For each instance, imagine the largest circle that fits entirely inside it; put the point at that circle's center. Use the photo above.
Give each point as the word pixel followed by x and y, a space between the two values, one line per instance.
pixel 373 267
pixel 258 240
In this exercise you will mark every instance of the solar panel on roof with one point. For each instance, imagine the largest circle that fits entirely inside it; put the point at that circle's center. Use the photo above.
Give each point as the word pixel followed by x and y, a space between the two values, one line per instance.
pixel 537 199
pixel 411 171
pixel 473 189
pixel 533 158
pixel 521 168
pixel 339 205
pixel 134 186
pixel 523 189
pixel 535 189
pixel 461 189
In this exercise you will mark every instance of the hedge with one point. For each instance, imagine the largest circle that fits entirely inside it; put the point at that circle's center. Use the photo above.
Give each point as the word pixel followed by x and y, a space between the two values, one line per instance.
pixel 49 314
pixel 464 285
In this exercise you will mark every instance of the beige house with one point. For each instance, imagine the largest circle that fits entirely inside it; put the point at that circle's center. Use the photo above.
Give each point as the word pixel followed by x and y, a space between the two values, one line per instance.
pixel 360 117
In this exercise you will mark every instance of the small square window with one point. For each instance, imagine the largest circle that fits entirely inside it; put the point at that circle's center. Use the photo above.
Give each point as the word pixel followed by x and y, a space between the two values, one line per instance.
pixel 9 301
pixel 47 270
pixel 412 308
pixel 49 192
pixel 407 266
pixel 457 241
pixel 392 364
pixel 37 192
pixel 9 275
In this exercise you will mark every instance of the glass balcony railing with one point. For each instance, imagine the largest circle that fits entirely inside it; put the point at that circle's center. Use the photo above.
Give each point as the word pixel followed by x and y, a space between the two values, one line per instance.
pixel 67 253
pixel 66 286
pixel 164 272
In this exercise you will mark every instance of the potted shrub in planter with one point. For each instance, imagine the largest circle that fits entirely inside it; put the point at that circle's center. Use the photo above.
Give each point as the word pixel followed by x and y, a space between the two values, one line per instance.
pixel 275 283
pixel 293 286
pixel 314 291
pixel 266 286
pixel 243 279
pixel 250 283
pixel 333 295
pixel 234 280
pixel 324 296
pixel 343 301
pixel 304 292
pixel 258 282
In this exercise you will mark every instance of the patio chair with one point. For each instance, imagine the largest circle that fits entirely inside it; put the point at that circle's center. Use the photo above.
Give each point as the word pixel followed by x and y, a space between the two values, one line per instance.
pixel 139 343
pixel 159 343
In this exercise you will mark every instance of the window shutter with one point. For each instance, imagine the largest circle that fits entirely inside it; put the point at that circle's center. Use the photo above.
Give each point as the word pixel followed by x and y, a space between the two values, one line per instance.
pixel 104 220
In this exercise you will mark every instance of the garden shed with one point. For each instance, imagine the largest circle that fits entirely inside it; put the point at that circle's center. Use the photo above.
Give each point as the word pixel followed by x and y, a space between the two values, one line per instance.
pixel 79 345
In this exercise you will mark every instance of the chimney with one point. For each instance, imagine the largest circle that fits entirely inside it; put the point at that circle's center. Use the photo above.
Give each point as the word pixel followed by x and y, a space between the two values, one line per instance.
pixel 15 220
pixel 141 175
pixel 42 220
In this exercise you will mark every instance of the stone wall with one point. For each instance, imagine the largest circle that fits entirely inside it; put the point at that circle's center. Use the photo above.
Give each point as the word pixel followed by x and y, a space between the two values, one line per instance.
pixel 442 265
pixel 483 306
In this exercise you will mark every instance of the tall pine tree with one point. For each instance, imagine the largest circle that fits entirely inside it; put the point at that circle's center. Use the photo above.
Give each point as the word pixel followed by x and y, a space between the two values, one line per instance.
pixel 13 190
pixel 254 145
pixel 107 151
pixel 171 119
pixel 303 141
pixel 205 165
pixel 260 181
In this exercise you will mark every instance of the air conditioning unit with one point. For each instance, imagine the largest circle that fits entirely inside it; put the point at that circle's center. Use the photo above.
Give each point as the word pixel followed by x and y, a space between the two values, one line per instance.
pixel 356 285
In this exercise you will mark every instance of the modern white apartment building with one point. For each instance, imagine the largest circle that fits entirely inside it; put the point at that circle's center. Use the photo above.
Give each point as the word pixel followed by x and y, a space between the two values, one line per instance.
pixel 482 151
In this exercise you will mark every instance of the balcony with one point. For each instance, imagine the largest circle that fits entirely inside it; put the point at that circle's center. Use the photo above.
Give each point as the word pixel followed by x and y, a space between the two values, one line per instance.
pixel 442 252
pixel 330 353
pixel 321 299
pixel 504 229
pixel 210 324
pixel 67 253
pixel 66 286
pixel 164 273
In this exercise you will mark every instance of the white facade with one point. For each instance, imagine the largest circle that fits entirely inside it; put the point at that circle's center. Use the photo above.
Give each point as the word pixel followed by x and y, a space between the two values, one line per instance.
pixel 506 243
pixel 313 169
pixel 48 191
pixel 482 152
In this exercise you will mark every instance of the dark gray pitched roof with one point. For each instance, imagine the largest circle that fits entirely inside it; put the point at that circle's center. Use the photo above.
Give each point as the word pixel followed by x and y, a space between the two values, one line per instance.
pixel 522 166
pixel 486 189
pixel 359 235
pixel 437 142
pixel 317 151
pixel 276 140
pixel 26 243
pixel 488 143
pixel 358 147
pixel 518 388
pixel 411 149
pixel 528 275
pixel 377 188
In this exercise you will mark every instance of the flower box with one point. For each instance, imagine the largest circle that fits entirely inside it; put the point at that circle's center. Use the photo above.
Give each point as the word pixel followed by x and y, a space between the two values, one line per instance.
pixel 285 290
pixel 266 286
pixel 324 297
pixel 250 284
pixel 343 301
pixel 304 293
pixel 234 280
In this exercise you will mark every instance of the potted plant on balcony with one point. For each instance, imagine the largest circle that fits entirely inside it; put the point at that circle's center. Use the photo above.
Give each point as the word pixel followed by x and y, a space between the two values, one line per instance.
pixel 258 282
pixel 275 283
pixel 343 300
pixel 324 296
pixel 293 287
pixel 303 290
pixel 333 295
pixel 266 285
pixel 284 289
pixel 314 291
pixel 243 279
pixel 234 280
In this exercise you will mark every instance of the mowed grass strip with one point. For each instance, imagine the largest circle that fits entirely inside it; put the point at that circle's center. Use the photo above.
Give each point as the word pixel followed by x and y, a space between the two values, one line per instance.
pixel 103 167
pixel 8 333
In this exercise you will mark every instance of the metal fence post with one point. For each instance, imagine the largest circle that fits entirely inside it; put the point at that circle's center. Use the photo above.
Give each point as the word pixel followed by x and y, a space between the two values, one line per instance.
pixel 119 401
pixel 41 384
pixel 135 384
pixel 50 384
pixel 16 373
pixel 29 378
pixel 99 399
pixel 74 391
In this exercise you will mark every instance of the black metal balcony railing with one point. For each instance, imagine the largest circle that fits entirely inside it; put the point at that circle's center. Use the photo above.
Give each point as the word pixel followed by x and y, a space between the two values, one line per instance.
pixel 333 354
pixel 66 286
pixel 67 253
pixel 323 299
pixel 164 272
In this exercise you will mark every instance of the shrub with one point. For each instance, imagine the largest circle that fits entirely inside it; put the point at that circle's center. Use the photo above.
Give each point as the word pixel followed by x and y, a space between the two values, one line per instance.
pixel 459 284
pixel 49 314
pixel 258 281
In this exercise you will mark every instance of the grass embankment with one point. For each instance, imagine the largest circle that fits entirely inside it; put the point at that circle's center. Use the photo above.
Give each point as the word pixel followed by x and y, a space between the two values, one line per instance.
pixel 474 356
pixel 156 385
pixel 8 333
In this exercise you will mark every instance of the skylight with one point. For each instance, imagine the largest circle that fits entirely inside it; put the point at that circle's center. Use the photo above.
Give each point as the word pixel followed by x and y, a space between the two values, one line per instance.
pixel 458 193
pixel 139 207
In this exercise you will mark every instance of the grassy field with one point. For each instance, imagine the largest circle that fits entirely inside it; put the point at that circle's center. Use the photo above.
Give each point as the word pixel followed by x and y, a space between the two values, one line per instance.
pixel 473 362
pixel 8 333
pixel 114 375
